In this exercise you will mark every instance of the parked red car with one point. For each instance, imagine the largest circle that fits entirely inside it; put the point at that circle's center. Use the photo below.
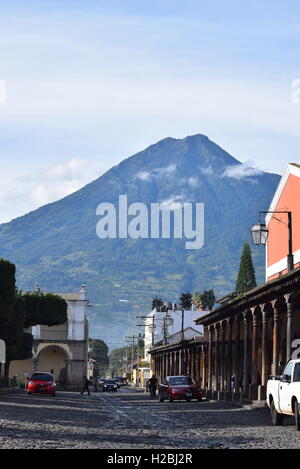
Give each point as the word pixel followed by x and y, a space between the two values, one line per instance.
pixel 41 383
pixel 179 388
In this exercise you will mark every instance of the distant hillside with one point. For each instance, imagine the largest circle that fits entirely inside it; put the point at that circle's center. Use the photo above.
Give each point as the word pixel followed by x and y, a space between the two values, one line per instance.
pixel 57 247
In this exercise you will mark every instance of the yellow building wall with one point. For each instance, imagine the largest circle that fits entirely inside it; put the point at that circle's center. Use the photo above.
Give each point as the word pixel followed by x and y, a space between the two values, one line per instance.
pixel 19 367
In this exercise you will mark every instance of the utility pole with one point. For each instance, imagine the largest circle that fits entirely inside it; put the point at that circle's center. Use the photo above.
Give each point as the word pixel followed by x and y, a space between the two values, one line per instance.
pixel 182 325
pixel 150 326
pixel 131 340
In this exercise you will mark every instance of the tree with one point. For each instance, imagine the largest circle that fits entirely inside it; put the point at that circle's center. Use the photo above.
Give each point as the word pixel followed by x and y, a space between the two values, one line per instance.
pixel 18 311
pixel 49 310
pixel 157 303
pixel 246 279
pixel 99 352
pixel 204 301
pixel 186 300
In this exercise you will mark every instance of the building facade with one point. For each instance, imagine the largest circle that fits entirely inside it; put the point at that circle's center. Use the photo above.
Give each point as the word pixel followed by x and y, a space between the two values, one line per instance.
pixel 250 336
pixel 187 357
pixel 253 335
pixel 63 349
pixel 286 198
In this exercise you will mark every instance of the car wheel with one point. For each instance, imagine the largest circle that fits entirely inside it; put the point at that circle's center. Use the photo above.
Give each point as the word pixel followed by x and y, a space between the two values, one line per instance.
pixel 188 400
pixel 297 415
pixel 200 399
pixel 28 393
pixel 277 419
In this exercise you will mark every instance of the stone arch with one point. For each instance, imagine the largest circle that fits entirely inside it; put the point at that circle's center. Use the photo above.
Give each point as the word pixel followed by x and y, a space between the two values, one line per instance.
pixel 55 359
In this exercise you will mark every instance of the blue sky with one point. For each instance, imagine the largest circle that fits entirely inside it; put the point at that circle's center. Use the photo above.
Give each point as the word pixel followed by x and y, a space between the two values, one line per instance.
pixel 88 83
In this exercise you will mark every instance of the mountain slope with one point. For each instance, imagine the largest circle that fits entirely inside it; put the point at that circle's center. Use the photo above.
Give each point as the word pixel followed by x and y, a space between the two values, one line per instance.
pixel 57 247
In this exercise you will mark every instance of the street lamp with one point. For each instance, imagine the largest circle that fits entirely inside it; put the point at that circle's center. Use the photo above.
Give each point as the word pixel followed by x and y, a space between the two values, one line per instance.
pixel 168 320
pixel 260 233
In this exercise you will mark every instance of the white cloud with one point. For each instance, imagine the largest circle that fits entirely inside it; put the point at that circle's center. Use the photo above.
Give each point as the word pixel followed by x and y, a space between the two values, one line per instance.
pixel 241 171
pixel 296 93
pixel 207 171
pixel 143 175
pixel 156 173
pixel 193 182
pixel 59 181
pixel 175 202
pixel 21 193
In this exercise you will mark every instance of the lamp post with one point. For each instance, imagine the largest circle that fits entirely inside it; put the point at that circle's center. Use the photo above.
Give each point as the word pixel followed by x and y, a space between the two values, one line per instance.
pixel 260 233
pixel 168 321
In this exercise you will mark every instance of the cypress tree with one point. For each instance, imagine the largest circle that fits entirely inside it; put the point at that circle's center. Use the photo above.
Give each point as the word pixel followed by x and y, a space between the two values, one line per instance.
pixel 246 277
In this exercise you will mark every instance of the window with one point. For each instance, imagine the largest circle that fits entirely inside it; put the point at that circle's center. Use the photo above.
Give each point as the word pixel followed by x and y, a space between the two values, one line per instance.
pixel 42 377
pixel 180 381
pixel 297 372
pixel 288 369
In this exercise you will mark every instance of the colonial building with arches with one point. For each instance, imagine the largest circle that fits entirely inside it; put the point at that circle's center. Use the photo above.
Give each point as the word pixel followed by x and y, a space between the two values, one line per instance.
pixel 63 349
pixel 252 335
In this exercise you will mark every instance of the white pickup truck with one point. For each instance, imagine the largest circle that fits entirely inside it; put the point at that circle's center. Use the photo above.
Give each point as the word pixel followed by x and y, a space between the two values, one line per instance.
pixel 283 394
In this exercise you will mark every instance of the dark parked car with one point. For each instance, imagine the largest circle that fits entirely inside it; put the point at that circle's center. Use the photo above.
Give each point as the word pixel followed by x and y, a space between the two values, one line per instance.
pixel 109 385
pixel 179 388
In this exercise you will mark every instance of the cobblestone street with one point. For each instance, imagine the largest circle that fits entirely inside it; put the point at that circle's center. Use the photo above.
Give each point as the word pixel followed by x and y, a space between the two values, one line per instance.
pixel 131 420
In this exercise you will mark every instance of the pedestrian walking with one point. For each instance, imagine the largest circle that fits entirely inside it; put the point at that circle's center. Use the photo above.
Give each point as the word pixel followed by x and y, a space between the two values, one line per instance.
pixel 153 386
pixel 86 383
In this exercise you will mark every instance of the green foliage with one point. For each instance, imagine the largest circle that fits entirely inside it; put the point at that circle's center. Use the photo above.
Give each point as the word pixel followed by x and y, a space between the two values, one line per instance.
pixel 157 302
pixel 99 352
pixel 205 300
pixel 49 310
pixel 246 279
pixel 18 312
pixel 186 300
pixel 120 358
pixel 7 290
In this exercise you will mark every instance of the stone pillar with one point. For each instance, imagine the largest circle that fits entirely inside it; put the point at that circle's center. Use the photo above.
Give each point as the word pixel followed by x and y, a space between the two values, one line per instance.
pixel 246 354
pixel 174 363
pixel 35 364
pixel 264 357
pixel 163 368
pixel 191 362
pixel 188 354
pixel 168 372
pixel 275 340
pixel 254 365
pixel 177 363
pixel 210 350
pixel 222 356
pixel 236 354
pixel 204 369
pixel 290 309
pixel 229 359
pixel 217 357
